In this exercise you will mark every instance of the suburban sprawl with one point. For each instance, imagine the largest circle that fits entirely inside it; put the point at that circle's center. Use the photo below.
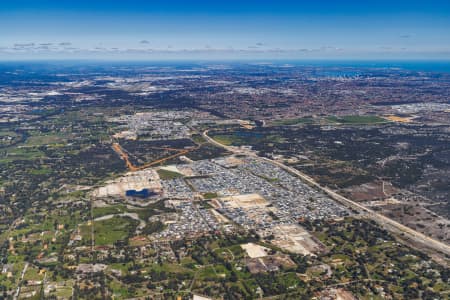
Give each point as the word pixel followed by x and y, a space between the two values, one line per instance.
pixel 216 181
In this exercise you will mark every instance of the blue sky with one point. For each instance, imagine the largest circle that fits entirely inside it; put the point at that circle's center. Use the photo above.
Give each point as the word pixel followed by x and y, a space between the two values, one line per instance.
pixel 231 29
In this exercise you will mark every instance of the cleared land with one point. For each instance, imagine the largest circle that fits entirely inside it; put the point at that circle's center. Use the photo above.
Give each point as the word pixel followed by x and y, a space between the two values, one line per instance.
pixel 295 239
pixel 246 201
pixel 254 250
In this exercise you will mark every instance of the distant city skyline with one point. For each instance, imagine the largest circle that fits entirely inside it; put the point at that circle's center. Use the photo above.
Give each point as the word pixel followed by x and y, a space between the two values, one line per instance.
pixel 152 30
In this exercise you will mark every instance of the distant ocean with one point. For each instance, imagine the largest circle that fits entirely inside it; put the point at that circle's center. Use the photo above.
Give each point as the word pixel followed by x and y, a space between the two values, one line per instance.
pixel 417 65
pixel 440 66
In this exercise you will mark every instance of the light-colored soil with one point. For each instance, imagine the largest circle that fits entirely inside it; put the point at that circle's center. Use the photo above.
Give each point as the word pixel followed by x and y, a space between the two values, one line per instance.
pixel 246 201
pixel 254 250
pixel 295 239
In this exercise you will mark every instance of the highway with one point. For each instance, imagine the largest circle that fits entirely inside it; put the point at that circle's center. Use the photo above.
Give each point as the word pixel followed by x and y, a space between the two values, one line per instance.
pixel 384 221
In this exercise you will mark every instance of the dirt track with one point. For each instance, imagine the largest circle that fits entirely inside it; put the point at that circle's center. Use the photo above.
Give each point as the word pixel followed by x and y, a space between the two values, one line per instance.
pixel 121 152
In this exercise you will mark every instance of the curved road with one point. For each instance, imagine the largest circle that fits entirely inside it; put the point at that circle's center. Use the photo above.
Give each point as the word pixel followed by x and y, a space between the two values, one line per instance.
pixel 386 222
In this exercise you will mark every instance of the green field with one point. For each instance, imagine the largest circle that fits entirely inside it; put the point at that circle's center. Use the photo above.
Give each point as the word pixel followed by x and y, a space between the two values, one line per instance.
pixel 227 140
pixel 166 174
pixel 109 231
pixel 41 171
pixel 108 210
pixel 39 139
pixel 198 139
pixel 293 121
pixel 22 153
pixel 8 137
pixel 356 119
pixel 209 195
pixel 240 138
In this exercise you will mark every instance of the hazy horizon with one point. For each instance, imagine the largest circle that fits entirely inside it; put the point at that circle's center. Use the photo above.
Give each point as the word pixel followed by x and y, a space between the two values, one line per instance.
pixel 200 30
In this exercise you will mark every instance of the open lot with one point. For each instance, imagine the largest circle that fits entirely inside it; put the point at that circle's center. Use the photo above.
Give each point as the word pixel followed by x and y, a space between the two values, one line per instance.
pixel 254 250
pixel 245 201
pixel 295 239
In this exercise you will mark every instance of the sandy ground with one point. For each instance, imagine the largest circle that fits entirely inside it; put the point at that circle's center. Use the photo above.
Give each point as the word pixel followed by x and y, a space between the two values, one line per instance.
pixel 388 201
pixel 219 217
pixel 171 168
pixel 130 181
pixel 254 250
pixel 246 201
pixel 295 239
pixel 197 297
pixel 400 119
pixel 371 191
pixel 229 161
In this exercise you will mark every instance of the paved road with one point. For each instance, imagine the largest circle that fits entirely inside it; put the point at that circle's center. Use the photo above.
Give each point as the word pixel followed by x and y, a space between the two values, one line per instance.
pixel 16 296
pixel 386 222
